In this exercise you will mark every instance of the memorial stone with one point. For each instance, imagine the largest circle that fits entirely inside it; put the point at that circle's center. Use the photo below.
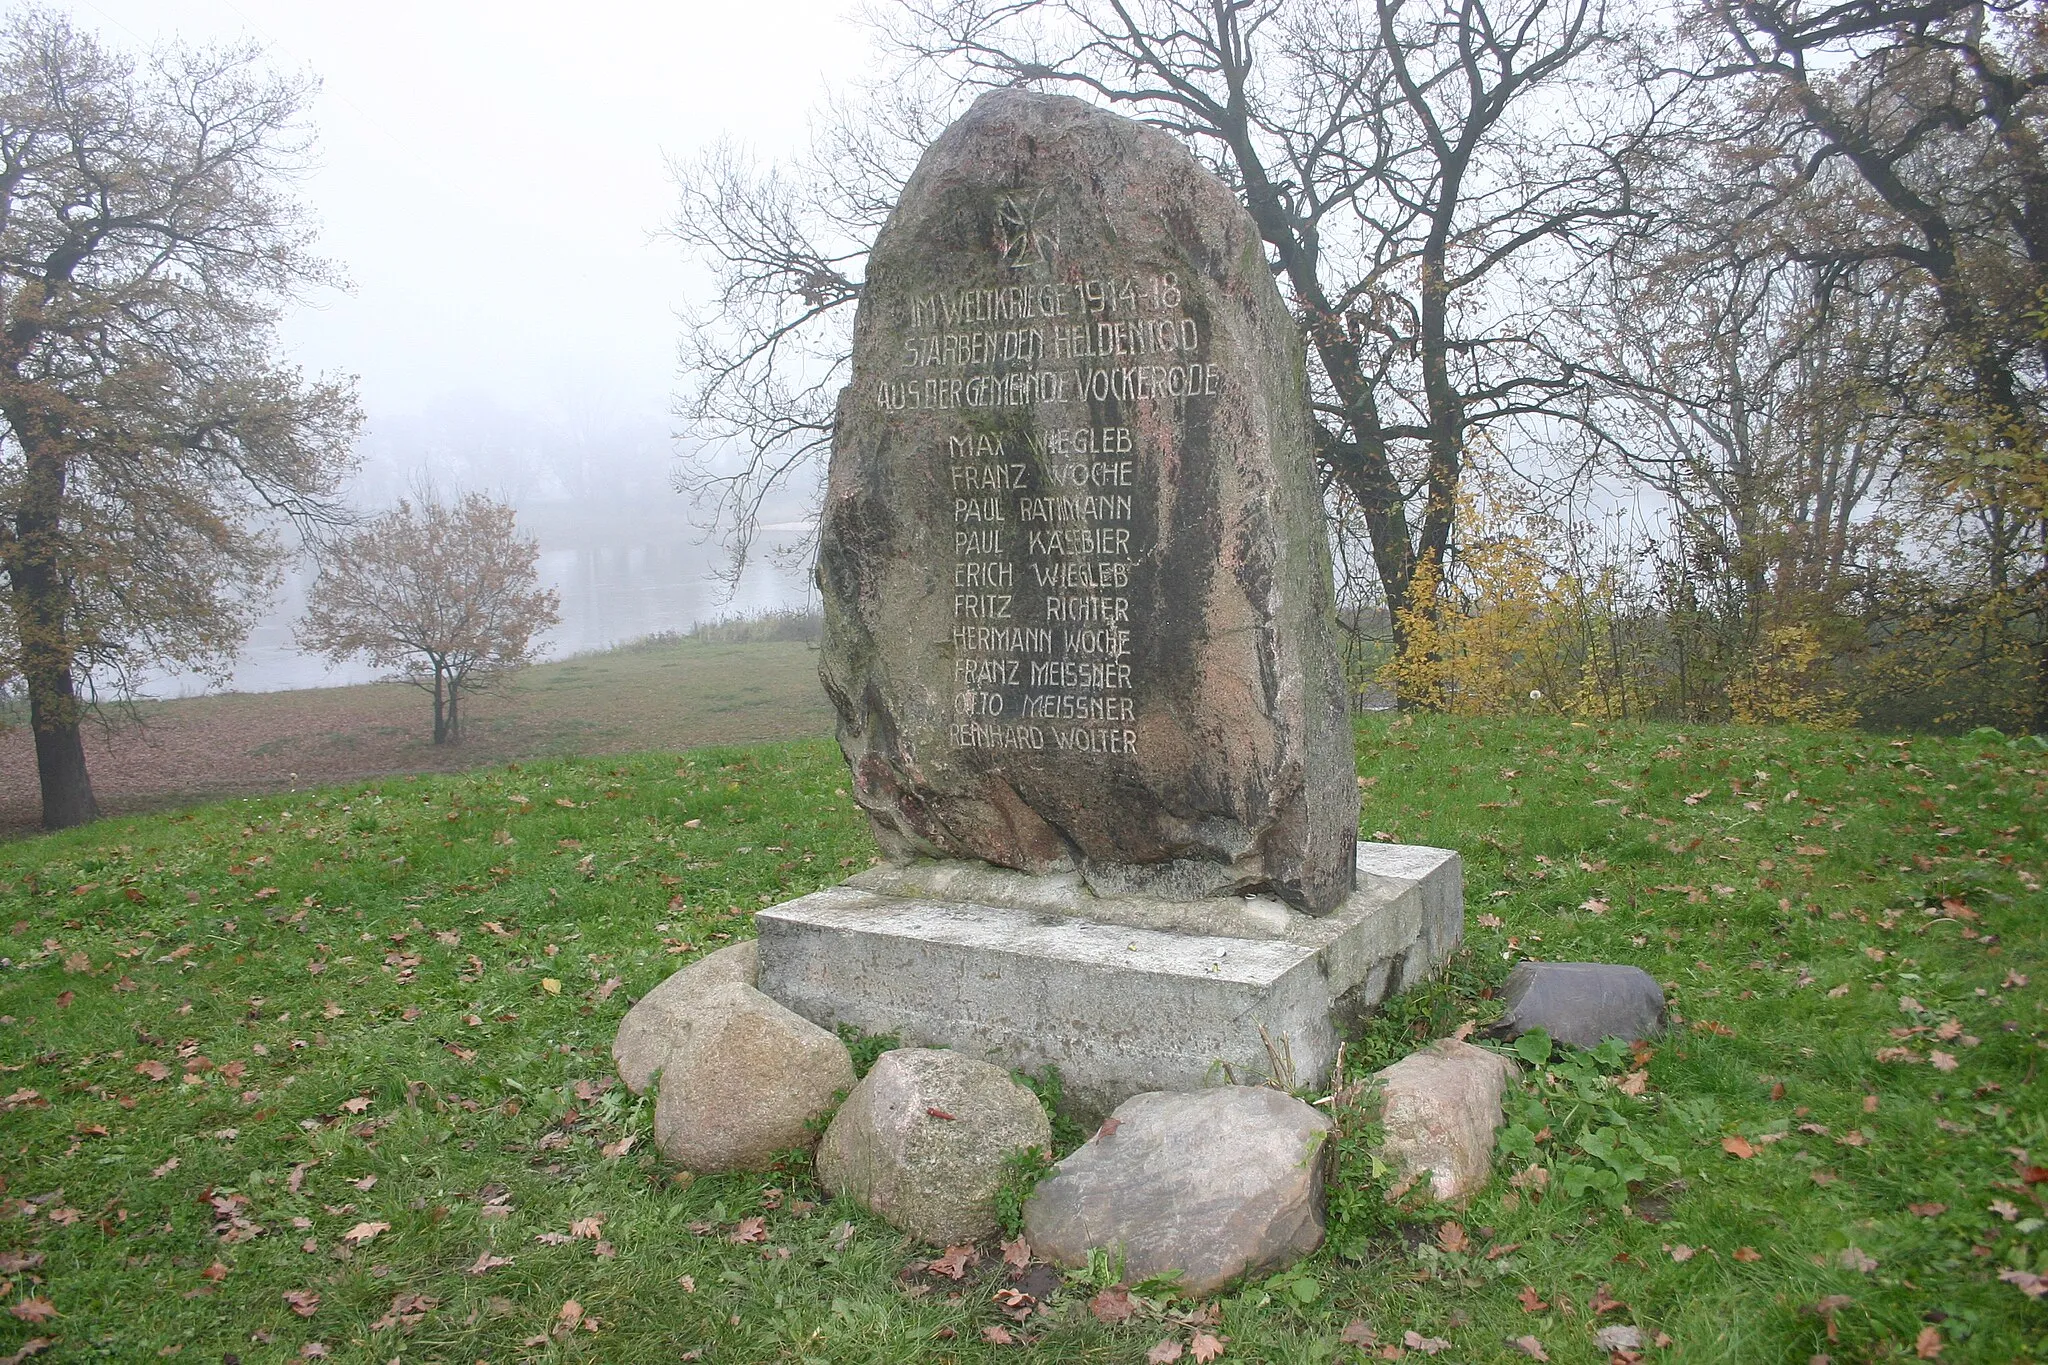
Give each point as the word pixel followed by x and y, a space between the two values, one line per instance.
pixel 1078 633
pixel 1076 588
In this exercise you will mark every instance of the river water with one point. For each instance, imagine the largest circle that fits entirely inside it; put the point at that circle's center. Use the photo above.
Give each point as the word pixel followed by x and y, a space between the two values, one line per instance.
pixel 623 574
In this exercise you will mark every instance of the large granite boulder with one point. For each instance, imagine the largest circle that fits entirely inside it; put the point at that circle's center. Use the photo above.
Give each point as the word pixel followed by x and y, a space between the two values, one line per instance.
pixel 1439 1109
pixel 923 1140
pixel 743 1082
pixel 659 1017
pixel 1582 1003
pixel 1076 584
pixel 1213 1184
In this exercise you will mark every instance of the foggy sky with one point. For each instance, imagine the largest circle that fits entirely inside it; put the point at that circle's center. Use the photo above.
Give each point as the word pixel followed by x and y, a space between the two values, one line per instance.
pixel 491 174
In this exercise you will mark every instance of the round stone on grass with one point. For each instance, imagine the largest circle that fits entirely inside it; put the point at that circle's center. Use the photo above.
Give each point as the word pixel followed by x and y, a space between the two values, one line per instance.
pixel 924 1139
pixel 660 1017
pixel 1212 1185
pixel 742 1082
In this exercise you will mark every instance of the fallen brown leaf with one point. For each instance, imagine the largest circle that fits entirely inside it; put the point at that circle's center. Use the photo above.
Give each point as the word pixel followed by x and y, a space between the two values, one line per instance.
pixel 1532 1302
pixel 953 1265
pixel 364 1233
pixel 1738 1146
pixel 304 1302
pixel 1358 1332
pixel 38 1310
pixel 1748 1254
pixel 1112 1305
pixel 1163 1352
pixel 1530 1347
pixel 2032 1285
pixel 1205 1347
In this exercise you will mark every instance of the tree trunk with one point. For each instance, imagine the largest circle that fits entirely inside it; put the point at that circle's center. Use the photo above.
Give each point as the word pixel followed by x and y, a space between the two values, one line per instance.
pixel 1361 465
pixel 60 756
pixel 440 706
pixel 42 606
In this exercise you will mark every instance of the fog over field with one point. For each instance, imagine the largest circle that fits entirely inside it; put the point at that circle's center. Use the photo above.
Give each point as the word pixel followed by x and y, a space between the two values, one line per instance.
pixel 492 178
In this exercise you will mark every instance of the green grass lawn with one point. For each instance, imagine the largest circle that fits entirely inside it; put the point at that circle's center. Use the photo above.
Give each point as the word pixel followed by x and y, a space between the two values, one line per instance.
pixel 332 1070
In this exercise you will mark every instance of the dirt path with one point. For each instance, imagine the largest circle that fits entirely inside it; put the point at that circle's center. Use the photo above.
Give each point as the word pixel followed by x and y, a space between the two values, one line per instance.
pixel 682 696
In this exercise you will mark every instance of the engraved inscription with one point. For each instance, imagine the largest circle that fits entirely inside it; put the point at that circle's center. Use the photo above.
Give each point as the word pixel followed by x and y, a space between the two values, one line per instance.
pixel 1046 519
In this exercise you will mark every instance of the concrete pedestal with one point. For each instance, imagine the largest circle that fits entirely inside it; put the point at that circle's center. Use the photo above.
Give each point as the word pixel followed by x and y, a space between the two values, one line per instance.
pixel 1122 995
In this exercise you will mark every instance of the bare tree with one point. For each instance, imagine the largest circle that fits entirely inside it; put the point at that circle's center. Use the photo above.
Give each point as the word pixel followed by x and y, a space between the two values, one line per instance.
pixel 147 244
pixel 1428 178
pixel 764 358
pixel 1911 133
pixel 1754 397
pixel 444 593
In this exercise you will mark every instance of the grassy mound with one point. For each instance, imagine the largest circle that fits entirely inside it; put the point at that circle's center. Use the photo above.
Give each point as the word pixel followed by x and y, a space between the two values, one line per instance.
pixel 331 1070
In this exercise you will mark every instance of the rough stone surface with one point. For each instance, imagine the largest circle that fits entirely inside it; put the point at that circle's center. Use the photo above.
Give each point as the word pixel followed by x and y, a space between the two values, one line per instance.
pixel 1213 1184
pixel 1440 1108
pixel 657 1019
pixel 1582 1003
pixel 742 1081
pixel 934 1177
pixel 1024 972
pixel 1076 586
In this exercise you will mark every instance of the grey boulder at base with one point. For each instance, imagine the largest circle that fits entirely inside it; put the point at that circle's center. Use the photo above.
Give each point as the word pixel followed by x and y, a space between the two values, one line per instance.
pixel 923 1140
pixel 1211 1184
pixel 1581 1003
pixel 743 1081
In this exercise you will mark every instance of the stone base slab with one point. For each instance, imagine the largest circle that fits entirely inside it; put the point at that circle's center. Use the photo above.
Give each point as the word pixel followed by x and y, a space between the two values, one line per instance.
pixel 1022 975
